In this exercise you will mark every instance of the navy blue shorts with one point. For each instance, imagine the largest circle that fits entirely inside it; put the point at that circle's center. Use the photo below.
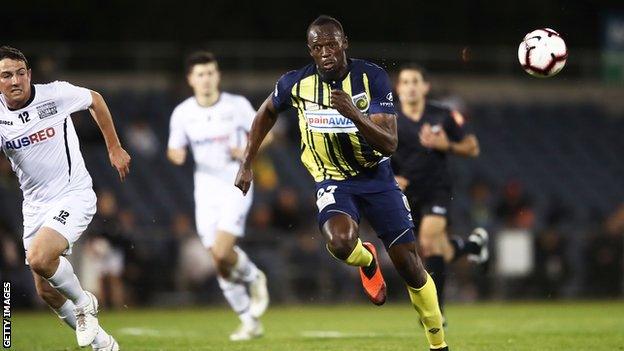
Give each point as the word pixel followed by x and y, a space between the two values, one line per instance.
pixel 376 195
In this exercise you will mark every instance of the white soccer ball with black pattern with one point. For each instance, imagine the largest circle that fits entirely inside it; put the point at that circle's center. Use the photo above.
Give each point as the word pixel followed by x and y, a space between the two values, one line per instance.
pixel 542 53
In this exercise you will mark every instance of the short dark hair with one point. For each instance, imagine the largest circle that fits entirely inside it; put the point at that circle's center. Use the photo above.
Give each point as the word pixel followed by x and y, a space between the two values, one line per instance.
pixel 412 66
pixel 199 58
pixel 13 54
pixel 325 19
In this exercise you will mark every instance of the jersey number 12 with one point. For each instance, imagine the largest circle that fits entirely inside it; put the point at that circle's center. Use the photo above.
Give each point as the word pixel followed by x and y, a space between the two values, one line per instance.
pixel 24 116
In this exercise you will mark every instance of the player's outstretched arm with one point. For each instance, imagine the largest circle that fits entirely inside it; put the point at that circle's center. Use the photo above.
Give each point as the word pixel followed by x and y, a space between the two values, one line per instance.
pixel 262 124
pixel 467 147
pixel 119 158
pixel 437 139
pixel 379 130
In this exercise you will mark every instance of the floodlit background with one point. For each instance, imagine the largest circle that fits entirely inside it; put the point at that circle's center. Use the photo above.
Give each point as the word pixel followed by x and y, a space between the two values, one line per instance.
pixel 549 184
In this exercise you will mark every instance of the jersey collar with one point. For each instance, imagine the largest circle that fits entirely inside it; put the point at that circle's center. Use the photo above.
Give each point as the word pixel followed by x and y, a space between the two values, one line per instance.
pixel 338 81
pixel 30 99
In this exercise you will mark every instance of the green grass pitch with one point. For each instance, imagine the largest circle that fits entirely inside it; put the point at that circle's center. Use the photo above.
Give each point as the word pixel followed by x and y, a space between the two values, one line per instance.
pixel 480 327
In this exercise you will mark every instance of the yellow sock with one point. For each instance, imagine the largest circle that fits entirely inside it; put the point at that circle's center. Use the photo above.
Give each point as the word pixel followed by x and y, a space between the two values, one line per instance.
pixel 360 256
pixel 425 301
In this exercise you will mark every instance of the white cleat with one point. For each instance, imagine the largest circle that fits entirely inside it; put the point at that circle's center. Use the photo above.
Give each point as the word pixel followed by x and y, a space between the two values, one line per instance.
pixel 112 345
pixel 247 331
pixel 86 321
pixel 259 295
pixel 480 237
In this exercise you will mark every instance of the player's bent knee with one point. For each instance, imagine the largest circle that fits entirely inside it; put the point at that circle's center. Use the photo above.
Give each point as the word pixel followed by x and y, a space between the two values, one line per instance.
pixel 218 256
pixel 38 261
pixel 426 249
pixel 222 255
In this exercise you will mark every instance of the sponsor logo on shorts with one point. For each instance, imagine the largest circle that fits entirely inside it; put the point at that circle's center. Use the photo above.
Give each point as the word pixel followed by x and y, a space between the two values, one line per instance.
pixel 8 123
pixel 47 110
pixel 407 207
pixel 438 210
pixel 62 217
pixel 240 220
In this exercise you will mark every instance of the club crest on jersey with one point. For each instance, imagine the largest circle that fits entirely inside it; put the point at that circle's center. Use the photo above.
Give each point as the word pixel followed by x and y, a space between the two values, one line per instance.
pixel 34 138
pixel 361 102
pixel 46 110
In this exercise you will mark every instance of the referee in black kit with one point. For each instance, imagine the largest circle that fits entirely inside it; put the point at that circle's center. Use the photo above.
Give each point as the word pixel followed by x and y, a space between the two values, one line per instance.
pixel 428 133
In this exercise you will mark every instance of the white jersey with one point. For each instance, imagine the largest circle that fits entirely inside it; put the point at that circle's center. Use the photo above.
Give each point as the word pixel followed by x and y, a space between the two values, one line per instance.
pixel 40 141
pixel 211 132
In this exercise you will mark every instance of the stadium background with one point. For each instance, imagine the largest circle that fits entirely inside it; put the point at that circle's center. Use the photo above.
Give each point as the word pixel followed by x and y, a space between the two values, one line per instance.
pixel 548 182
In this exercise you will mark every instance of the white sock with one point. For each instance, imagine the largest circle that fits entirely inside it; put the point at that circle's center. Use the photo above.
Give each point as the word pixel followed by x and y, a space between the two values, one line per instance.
pixel 66 313
pixel 238 298
pixel 244 270
pixel 65 281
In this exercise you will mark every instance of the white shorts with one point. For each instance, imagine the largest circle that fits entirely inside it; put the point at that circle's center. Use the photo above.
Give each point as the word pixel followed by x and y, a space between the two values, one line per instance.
pixel 220 208
pixel 70 216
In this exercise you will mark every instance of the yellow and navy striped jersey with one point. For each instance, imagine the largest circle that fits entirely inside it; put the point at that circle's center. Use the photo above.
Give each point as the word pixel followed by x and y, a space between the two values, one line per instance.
pixel 331 145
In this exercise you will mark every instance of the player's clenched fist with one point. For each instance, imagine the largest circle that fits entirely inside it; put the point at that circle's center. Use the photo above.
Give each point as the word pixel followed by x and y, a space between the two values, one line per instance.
pixel 342 102
pixel 120 159
pixel 434 137
pixel 243 179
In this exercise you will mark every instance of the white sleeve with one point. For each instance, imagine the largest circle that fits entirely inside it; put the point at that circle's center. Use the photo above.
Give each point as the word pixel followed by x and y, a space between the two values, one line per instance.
pixel 73 98
pixel 246 114
pixel 177 135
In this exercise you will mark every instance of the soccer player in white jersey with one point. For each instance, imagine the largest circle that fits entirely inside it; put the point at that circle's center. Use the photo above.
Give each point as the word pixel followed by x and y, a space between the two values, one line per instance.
pixel 214 124
pixel 39 139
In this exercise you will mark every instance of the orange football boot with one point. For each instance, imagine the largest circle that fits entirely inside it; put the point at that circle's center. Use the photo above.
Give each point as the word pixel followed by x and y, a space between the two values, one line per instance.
pixel 372 279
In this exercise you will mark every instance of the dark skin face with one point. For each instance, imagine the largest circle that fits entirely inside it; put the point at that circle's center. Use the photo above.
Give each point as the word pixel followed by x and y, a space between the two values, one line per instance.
pixel 327 45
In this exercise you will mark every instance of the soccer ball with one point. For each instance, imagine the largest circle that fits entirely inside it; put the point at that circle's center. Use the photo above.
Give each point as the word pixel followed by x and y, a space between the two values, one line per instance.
pixel 542 53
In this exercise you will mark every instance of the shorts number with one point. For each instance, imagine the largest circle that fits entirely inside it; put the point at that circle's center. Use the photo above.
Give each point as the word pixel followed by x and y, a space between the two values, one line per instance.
pixel 63 215
pixel 329 190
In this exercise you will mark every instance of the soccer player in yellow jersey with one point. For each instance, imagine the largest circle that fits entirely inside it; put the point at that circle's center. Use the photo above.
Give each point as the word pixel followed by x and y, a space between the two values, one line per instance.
pixel 348 131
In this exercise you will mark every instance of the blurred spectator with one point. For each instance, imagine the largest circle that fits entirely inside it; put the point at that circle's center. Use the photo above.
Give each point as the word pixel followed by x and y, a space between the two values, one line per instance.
pixel 481 203
pixel 13 269
pixel 261 217
pixel 46 70
pixel 266 178
pixel 515 207
pixel 307 251
pixel 142 140
pixel 288 213
pixel 605 255
pixel 552 267
pixel 7 177
pixel 104 253
pixel 193 265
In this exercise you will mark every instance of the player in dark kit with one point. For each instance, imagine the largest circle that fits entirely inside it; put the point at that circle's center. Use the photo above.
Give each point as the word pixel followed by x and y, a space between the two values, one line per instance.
pixel 348 130
pixel 428 133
